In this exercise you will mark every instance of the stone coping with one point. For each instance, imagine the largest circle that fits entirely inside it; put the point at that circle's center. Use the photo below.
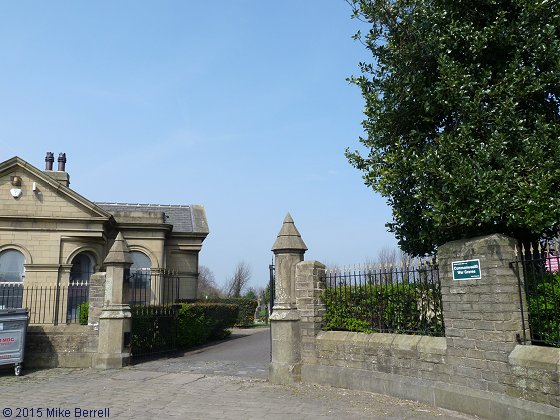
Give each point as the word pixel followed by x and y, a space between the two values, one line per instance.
pixel 63 328
pixel 536 357
pixel 421 343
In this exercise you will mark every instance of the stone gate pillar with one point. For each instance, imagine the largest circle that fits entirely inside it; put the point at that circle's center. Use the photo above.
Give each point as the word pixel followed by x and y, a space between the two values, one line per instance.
pixel 285 321
pixel 482 308
pixel 96 297
pixel 310 285
pixel 115 319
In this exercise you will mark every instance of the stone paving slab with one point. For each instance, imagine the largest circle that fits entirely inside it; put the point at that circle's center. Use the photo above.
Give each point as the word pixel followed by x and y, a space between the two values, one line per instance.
pixel 141 393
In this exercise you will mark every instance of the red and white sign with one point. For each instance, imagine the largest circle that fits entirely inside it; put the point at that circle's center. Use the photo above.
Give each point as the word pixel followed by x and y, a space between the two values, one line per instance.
pixel 10 342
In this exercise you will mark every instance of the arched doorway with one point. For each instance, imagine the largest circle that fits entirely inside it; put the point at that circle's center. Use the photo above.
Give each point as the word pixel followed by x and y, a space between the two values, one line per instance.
pixel 12 273
pixel 83 266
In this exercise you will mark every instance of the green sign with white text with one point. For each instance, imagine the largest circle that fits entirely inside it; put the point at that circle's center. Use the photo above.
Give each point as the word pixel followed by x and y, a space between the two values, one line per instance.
pixel 466 270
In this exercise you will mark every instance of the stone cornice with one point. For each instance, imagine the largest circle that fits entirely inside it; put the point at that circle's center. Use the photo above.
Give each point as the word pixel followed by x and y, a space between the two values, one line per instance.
pixel 164 227
pixel 41 267
pixel 55 219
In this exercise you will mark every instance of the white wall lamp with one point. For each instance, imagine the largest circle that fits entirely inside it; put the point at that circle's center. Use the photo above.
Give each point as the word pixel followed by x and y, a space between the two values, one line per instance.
pixel 16 192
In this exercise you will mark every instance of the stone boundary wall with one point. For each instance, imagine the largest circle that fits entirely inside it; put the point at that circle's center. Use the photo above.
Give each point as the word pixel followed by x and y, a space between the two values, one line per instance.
pixel 480 367
pixel 416 367
pixel 49 346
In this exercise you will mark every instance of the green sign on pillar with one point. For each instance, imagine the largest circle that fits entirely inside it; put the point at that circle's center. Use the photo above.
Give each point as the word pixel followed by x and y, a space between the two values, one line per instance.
pixel 466 270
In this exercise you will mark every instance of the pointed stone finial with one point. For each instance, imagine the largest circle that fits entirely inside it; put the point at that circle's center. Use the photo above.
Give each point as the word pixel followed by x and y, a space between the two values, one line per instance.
pixel 119 252
pixel 289 239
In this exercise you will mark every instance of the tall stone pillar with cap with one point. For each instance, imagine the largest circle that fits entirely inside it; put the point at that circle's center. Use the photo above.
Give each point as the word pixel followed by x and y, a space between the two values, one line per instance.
pixel 288 249
pixel 115 319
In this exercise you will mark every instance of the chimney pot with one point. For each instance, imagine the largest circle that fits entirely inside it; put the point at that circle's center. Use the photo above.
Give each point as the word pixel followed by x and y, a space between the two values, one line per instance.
pixel 49 159
pixel 61 162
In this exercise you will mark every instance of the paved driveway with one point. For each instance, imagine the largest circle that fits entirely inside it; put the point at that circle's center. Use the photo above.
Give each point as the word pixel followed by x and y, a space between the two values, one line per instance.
pixel 193 387
pixel 246 353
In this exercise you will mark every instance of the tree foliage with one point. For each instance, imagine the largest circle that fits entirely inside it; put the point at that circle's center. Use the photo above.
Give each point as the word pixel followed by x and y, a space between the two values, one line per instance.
pixel 251 293
pixel 462 106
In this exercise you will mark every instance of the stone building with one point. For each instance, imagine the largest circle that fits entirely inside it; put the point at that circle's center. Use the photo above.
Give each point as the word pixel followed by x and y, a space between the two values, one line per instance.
pixel 52 236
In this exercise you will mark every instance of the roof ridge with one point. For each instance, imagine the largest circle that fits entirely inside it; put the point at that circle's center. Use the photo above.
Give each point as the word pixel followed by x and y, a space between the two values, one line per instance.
pixel 105 203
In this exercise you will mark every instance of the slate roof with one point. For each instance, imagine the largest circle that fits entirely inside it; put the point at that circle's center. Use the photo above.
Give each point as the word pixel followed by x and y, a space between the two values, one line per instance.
pixel 184 218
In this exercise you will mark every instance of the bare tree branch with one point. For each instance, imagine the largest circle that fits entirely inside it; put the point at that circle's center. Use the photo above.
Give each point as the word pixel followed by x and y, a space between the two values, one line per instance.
pixel 241 276
pixel 207 286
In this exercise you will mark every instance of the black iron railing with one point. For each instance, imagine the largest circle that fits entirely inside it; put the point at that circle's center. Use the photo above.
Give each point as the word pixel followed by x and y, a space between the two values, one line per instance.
pixel 46 304
pixel 153 287
pixel 539 282
pixel 405 298
pixel 152 297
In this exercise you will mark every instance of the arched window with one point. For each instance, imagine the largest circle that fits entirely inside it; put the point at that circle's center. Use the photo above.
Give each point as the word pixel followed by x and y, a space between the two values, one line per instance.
pixel 12 266
pixel 12 273
pixel 83 266
pixel 140 261
pixel 140 278
pixel 140 268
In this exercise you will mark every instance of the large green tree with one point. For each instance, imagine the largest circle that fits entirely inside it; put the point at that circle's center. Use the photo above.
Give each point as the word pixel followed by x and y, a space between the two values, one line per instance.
pixel 462 105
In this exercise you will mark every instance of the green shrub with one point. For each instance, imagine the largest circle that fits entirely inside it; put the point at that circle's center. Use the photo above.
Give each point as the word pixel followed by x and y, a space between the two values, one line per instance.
pixel 544 308
pixel 263 315
pixel 247 307
pixel 397 308
pixel 200 322
pixel 83 313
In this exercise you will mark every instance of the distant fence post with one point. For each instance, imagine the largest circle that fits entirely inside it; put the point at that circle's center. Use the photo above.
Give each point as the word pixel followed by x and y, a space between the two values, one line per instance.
pixel 288 249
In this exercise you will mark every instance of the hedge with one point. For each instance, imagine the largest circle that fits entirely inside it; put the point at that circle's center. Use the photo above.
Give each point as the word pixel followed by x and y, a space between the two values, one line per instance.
pixel 83 313
pixel 544 308
pixel 162 328
pixel 247 308
pixel 202 322
pixel 154 329
pixel 398 308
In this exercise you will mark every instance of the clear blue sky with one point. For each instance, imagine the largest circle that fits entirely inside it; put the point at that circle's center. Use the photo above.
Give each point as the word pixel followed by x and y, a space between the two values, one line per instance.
pixel 241 106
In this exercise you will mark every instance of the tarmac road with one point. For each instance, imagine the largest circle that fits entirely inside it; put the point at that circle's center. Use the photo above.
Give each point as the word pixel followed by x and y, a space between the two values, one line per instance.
pixel 196 385
pixel 245 353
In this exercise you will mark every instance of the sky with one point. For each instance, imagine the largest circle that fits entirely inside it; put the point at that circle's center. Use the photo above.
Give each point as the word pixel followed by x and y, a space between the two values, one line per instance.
pixel 241 106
